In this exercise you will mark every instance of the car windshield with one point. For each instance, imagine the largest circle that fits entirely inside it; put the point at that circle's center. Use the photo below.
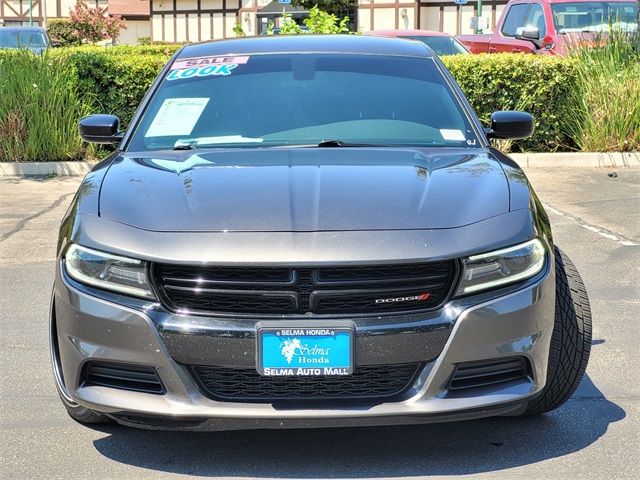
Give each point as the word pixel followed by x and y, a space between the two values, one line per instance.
pixel 594 16
pixel 442 45
pixel 10 38
pixel 303 99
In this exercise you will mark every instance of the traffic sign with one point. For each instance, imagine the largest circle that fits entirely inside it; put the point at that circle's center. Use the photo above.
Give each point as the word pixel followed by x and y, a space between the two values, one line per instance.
pixel 460 2
pixel 284 1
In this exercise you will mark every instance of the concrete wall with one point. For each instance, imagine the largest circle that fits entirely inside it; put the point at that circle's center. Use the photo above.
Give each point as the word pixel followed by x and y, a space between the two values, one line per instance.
pixel 135 29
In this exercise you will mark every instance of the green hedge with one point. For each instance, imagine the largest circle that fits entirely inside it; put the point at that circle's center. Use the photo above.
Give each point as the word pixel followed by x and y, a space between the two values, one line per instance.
pixel 537 84
pixel 114 80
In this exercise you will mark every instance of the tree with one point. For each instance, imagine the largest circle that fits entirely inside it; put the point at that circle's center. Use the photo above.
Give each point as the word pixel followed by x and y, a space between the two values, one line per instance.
pixel 62 32
pixel 335 7
pixel 93 25
pixel 324 22
pixel 318 22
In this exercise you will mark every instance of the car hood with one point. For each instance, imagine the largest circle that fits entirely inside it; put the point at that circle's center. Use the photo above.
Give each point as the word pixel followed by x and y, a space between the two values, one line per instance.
pixel 304 189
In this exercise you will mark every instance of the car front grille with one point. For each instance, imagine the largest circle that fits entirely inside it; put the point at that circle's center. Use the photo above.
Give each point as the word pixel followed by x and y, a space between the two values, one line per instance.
pixel 246 385
pixel 485 373
pixel 299 291
pixel 125 377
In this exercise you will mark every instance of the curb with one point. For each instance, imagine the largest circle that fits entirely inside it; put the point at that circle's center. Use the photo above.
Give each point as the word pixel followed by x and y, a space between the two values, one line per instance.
pixel 44 169
pixel 525 160
pixel 577 160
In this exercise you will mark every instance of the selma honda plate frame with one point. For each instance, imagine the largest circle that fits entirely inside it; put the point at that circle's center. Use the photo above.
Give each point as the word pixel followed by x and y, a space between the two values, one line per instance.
pixel 299 350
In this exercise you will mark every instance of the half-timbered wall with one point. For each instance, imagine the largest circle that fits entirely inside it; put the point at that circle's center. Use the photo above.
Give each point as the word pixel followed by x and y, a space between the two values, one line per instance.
pixel 12 11
pixel 197 20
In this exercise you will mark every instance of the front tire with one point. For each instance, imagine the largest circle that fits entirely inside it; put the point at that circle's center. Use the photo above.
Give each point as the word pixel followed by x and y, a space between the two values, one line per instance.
pixel 82 414
pixel 571 340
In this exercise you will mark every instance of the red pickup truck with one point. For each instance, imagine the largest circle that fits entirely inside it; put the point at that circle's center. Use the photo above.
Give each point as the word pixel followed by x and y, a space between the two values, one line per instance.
pixel 548 26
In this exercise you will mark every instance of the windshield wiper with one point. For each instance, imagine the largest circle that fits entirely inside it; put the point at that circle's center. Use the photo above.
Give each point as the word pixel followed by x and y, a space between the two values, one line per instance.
pixel 184 146
pixel 340 143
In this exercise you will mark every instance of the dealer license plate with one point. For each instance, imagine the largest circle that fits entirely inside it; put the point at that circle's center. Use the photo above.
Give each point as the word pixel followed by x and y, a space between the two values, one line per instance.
pixel 305 351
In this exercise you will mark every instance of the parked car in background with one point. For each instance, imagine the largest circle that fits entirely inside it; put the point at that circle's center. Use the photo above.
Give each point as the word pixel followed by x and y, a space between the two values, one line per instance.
pixel 28 38
pixel 550 26
pixel 441 43
pixel 360 255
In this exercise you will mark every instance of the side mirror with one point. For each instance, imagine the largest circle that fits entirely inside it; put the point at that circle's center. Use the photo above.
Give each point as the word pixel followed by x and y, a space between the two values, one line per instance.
pixel 530 34
pixel 510 125
pixel 100 129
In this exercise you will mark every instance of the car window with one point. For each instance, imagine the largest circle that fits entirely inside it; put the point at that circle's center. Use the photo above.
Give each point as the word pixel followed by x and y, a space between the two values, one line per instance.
pixel 515 19
pixel 536 19
pixel 21 39
pixel 442 45
pixel 594 16
pixel 303 99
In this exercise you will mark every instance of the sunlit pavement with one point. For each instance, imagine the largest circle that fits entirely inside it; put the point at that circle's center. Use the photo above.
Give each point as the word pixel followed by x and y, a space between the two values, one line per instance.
pixel 596 220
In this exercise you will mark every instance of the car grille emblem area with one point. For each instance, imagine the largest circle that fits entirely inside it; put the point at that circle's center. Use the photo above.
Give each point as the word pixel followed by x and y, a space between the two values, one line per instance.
pixel 423 297
pixel 334 290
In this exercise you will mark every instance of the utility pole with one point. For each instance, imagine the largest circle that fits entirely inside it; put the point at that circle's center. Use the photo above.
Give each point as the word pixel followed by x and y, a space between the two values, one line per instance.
pixel 479 26
pixel 31 13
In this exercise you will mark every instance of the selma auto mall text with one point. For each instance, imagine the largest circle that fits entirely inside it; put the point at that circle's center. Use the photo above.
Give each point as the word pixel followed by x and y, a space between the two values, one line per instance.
pixel 279 372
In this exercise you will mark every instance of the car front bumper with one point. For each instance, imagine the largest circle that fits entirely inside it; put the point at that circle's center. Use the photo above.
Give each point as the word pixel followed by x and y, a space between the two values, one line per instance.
pixel 89 325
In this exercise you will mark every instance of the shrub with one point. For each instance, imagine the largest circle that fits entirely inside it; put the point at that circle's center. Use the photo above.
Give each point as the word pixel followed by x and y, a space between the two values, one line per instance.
pixel 606 113
pixel 40 106
pixel 62 32
pixel 93 25
pixel 534 83
pixel 238 30
pixel 41 125
pixel 323 22
pixel 113 80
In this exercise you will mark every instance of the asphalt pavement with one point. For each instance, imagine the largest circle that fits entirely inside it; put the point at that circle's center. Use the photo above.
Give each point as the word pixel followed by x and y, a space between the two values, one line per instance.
pixel 596 220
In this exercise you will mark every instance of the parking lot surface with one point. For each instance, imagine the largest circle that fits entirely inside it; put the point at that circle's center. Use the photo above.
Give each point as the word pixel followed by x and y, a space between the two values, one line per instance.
pixel 595 219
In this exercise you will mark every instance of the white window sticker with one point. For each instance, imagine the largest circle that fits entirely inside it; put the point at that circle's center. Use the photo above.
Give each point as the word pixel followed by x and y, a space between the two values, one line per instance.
pixel 177 116
pixel 452 134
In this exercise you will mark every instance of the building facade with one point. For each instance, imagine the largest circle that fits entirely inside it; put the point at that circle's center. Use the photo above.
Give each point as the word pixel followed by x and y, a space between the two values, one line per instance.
pixel 16 12
pixel 135 12
pixel 197 20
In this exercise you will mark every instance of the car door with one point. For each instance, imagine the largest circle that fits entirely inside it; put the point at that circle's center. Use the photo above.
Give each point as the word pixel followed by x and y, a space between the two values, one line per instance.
pixel 504 40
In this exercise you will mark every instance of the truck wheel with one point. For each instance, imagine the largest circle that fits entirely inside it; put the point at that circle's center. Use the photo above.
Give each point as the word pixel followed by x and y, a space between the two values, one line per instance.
pixel 571 340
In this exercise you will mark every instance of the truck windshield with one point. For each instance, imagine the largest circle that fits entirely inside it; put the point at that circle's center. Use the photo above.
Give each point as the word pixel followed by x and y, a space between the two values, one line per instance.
pixel 595 16
pixel 10 38
pixel 303 99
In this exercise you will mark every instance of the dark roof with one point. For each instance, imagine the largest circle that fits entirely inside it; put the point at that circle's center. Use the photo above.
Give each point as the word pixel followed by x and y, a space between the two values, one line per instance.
pixel 275 8
pixel 130 8
pixel 306 43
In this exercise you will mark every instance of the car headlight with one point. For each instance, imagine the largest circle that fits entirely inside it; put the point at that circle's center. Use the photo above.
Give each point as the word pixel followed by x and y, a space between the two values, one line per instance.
pixel 501 267
pixel 107 271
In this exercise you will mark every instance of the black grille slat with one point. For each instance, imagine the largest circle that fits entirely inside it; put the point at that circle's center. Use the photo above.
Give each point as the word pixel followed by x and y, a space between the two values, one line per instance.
pixel 379 381
pixel 480 374
pixel 125 377
pixel 299 291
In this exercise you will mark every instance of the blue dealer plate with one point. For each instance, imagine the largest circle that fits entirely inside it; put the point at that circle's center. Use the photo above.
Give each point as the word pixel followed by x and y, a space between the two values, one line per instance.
pixel 304 351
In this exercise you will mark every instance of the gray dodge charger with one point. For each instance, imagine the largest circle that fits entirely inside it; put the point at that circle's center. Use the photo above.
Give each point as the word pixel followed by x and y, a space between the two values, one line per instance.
pixel 310 231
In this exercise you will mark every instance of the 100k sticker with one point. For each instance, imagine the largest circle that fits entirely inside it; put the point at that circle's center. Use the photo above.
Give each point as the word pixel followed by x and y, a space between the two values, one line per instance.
pixel 222 69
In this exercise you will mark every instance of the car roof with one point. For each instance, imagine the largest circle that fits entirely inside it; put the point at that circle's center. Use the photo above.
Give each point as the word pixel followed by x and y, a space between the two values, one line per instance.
pixel 24 29
pixel 406 33
pixel 340 44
